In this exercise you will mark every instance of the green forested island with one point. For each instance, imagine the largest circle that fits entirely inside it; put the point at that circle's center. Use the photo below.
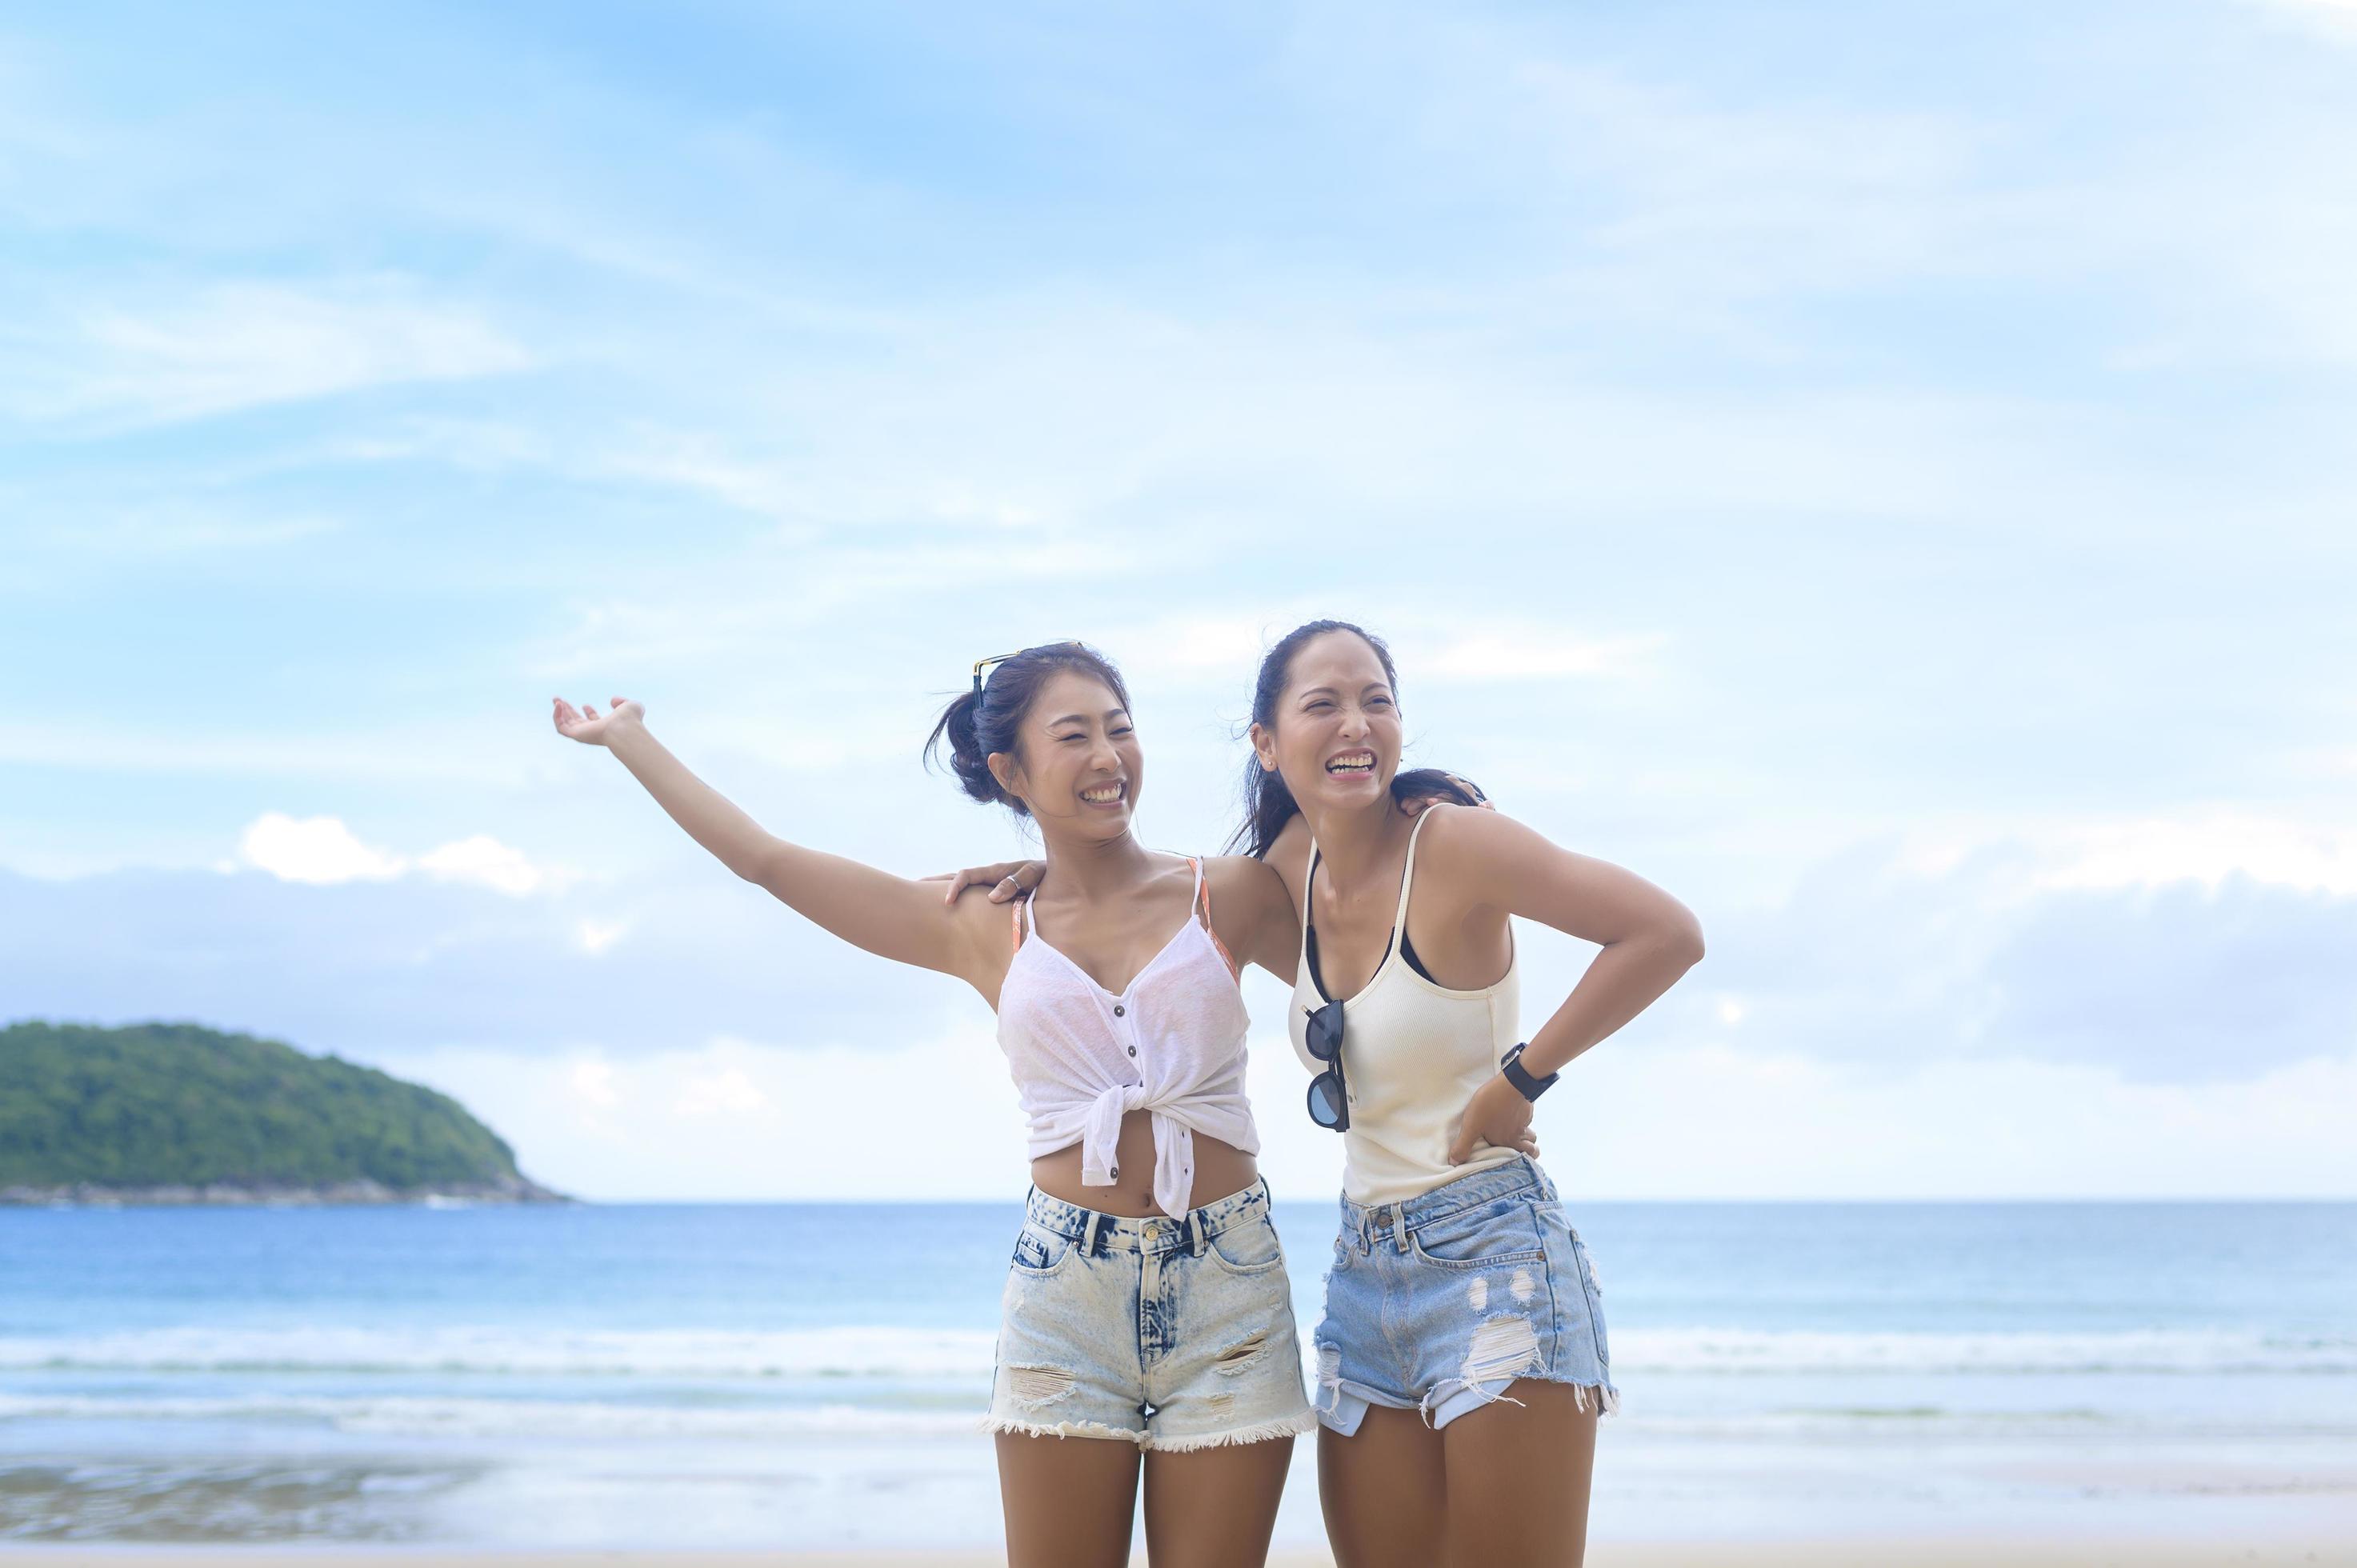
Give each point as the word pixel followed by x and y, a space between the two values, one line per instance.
pixel 180 1114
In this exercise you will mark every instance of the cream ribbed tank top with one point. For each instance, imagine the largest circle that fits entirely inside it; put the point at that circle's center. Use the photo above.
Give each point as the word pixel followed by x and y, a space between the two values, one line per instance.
pixel 1413 1054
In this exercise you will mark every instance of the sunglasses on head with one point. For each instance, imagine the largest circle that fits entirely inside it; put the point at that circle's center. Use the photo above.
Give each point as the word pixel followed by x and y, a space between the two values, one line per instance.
pixel 1329 1098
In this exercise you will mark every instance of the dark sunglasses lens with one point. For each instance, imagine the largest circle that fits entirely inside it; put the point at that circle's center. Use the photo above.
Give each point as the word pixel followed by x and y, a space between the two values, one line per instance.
pixel 1325 1100
pixel 1324 1035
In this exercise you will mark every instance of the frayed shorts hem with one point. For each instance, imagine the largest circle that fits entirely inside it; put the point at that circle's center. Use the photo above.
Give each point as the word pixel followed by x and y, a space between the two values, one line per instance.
pixel 1177 1443
pixel 1351 1399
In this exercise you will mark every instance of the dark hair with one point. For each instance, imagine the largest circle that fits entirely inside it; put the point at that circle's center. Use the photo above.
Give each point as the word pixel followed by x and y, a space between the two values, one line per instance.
pixel 1268 804
pixel 989 717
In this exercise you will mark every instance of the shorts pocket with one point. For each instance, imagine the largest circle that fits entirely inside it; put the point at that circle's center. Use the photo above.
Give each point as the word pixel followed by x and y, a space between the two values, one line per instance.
pixel 1039 1251
pixel 1503 1231
pixel 1567 1249
pixel 1247 1248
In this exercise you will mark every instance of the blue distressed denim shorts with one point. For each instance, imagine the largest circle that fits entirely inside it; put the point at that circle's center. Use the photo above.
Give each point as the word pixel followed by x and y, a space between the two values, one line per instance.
pixel 1439 1303
pixel 1172 1334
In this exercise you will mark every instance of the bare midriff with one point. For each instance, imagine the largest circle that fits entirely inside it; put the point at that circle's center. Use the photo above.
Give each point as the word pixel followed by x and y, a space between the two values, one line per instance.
pixel 1221 1168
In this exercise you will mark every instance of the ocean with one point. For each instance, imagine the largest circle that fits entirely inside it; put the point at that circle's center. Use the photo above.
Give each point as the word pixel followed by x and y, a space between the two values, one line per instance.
pixel 811 1375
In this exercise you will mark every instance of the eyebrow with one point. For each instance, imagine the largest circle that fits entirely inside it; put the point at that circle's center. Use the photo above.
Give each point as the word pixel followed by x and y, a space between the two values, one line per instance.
pixel 1083 718
pixel 1328 691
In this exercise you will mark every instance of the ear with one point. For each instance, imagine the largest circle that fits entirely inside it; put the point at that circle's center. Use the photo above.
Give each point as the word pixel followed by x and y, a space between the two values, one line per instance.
pixel 1009 774
pixel 1263 744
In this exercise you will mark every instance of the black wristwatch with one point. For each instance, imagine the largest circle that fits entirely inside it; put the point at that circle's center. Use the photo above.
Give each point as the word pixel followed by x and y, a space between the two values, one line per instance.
pixel 1518 1075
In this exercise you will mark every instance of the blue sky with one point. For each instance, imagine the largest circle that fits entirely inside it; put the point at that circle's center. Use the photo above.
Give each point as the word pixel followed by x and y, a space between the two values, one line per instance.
pixel 1881 473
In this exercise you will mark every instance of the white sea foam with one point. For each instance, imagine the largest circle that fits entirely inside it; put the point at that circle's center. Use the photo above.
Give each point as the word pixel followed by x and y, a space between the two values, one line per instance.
pixel 962 1355
pixel 569 1420
pixel 1994 1352
pixel 847 1352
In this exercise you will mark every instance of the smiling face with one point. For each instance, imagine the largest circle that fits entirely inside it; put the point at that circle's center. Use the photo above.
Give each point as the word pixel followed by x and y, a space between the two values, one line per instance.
pixel 1077 766
pixel 1336 738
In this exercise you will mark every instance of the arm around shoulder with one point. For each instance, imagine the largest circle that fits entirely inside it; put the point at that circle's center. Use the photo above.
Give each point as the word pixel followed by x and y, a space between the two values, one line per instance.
pixel 1251 913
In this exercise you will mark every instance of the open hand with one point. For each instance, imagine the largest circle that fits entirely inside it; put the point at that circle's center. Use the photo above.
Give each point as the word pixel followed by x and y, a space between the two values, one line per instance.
pixel 1008 879
pixel 587 725
pixel 1416 805
pixel 1499 1115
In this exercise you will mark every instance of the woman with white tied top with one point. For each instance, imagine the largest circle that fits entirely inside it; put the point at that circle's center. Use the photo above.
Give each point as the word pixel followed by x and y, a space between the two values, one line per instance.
pixel 1146 1310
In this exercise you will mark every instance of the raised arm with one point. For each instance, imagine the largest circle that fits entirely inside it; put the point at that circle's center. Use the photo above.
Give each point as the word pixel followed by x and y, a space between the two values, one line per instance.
pixel 892 916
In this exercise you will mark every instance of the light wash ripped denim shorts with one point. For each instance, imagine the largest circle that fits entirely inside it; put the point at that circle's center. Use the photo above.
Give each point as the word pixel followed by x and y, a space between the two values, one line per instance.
pixel 1173 1334
pixel 1439 1302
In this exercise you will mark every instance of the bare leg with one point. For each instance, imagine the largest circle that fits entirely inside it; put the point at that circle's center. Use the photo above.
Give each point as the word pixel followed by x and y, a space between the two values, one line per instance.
pixel 1069 1500
pixel 1214 1507
pixel 1383 1491
pixel 1518 1479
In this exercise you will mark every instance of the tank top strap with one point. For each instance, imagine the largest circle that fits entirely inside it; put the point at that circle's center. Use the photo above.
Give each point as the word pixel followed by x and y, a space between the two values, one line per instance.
pixel 1019 916
pixel 1407 876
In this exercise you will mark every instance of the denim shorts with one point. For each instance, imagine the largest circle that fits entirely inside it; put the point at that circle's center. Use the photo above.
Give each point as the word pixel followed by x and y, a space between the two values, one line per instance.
pixel 1172 1334
pixel 1437 1302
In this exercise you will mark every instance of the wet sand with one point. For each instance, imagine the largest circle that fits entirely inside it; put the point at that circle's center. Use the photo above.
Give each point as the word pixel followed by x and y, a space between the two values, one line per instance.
pixel 1973 1552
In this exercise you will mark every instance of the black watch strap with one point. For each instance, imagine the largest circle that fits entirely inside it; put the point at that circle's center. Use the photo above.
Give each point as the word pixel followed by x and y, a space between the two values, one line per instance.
pixel 1518 1075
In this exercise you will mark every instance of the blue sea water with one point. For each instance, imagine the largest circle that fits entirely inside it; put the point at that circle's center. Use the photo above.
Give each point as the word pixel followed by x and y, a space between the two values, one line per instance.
pixel 811 1374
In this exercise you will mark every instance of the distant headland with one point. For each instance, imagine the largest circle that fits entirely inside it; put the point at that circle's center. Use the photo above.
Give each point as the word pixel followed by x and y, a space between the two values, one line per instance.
pixel 176 1114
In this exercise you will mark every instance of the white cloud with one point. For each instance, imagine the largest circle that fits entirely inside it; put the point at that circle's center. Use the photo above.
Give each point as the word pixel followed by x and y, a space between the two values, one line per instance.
pixel 1713 1120
pixel 730 1091
pixel 236 346
pixel 322 850
pixel 735 1119
pixel 2205 846
pixel 315 849
pixel 596 936
pixel 738 1118
pixel 484 859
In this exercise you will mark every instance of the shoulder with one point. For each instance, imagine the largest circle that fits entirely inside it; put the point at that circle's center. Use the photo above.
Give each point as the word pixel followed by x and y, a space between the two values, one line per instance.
pixel 983 926
pixel 1471 840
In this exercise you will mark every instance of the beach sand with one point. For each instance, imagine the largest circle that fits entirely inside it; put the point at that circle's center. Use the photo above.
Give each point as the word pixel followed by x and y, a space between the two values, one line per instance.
pixel 2009 1552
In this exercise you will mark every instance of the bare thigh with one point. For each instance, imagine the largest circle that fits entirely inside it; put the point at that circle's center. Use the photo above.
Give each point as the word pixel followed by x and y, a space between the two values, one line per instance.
pixel 1383 1490
pixel 1214 1507
pixel 1518 1479
pixel 1069 1500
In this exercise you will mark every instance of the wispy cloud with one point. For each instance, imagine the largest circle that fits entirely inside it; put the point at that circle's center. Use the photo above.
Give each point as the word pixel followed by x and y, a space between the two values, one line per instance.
pixel 322 851
pixel 231 346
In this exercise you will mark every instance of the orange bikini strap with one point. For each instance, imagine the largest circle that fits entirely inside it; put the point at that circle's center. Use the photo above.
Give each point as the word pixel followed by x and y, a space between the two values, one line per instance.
pixel 1203 898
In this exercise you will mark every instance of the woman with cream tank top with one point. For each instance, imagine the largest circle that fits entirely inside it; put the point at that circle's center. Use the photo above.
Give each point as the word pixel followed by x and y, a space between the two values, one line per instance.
pixel 1461 1359
pixel 1419 1050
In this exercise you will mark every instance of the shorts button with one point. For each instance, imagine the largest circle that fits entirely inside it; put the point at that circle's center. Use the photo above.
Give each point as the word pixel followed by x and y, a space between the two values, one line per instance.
pixel 1119 1012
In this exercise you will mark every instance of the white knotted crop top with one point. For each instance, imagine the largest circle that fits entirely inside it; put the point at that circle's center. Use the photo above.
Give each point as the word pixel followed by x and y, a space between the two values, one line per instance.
pixel 1172 1043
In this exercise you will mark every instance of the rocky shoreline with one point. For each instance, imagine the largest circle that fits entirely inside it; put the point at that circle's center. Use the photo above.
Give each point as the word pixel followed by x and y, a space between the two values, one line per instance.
pixel 232 1194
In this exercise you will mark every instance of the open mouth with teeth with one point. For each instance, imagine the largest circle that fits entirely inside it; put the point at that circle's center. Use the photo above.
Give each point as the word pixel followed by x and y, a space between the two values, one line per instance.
pixel 1111 794
pixel 1352 765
